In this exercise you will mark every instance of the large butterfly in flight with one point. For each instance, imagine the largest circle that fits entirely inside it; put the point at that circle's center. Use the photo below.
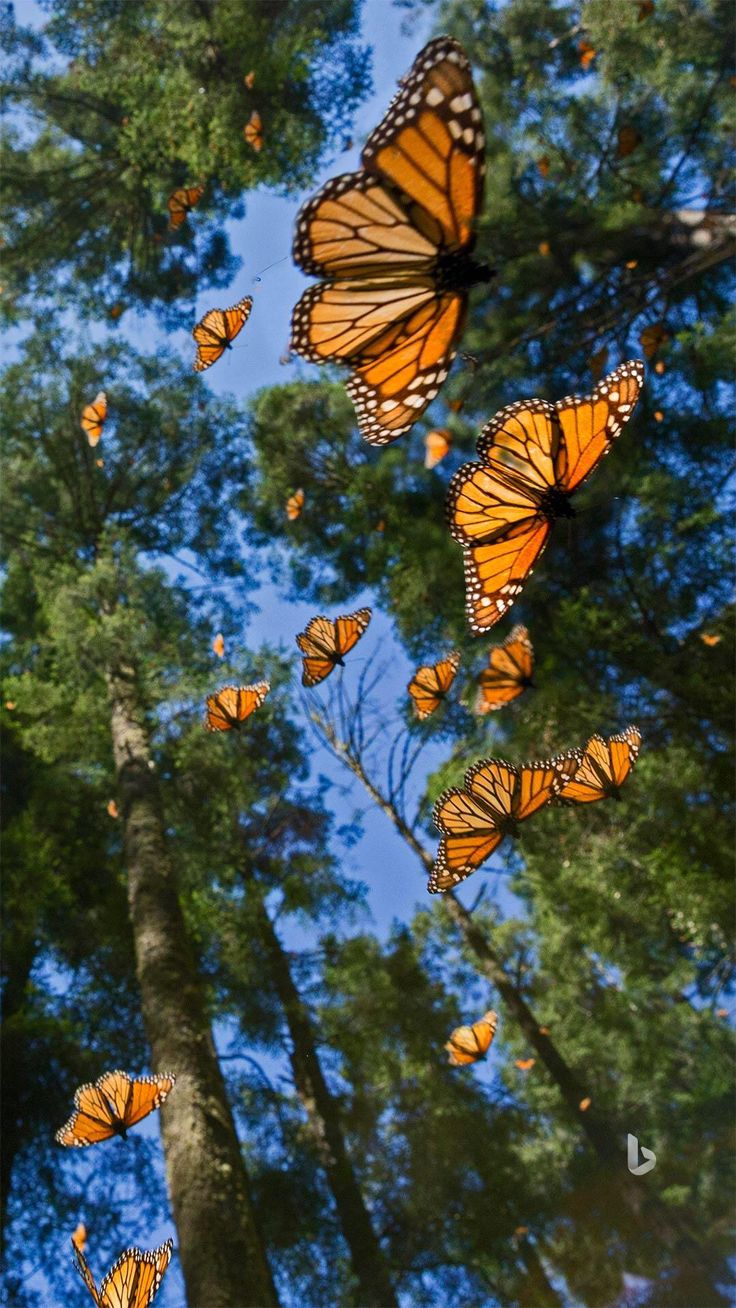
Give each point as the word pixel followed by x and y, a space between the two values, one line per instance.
pixel 393 246
pixel 111 1105
pixel 604 768
pixel 494 799
pixel 325 643
pixel 534 456
pixel 233 705
pixel 467 1044
pixel 216 332
pixel 132 1281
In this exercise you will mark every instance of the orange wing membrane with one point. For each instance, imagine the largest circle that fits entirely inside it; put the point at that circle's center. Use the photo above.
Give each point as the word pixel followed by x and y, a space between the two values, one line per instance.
pixel 216 332
pixel 604 768
pixel 231 706
pixel 111 1105
pixel 93 418
pixel 181 202
pixel 133 1280
pixel 468 1044
pixel 509 672
pixel 430 684
pixel 294 505
pixel 534 456
pixel 253 131
pixel 393 244
pixel 325 643
pixel 494 799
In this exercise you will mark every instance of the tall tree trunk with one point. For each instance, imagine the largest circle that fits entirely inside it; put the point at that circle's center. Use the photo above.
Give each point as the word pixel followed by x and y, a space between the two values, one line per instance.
pixel 368 1263
pixel 222 1256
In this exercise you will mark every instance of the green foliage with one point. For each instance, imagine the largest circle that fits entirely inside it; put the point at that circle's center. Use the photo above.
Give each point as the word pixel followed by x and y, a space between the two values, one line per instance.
pixel 117 105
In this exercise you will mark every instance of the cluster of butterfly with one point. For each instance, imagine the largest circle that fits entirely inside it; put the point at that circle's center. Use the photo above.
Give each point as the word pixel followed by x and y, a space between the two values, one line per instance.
pixel 106 1108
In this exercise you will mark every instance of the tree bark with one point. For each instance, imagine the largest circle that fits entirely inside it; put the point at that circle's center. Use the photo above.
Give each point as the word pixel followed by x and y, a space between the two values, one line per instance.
pixel 368 1262
pixel 222 1257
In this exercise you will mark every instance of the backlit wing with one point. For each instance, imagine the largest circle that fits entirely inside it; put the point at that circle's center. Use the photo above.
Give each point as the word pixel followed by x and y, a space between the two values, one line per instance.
pixel 181 202
pixel 349 628
pixel 93 418
pixel 484 503
pixel 494 783
pixel 469 837
pixel 591 423
pixel 91 1122
pixel 495 573
pixel 217 329
pixel 233 704
pixel 431 145
pixel 604 767
pixel 134 1279
pixel 253 131
pixel 624 753
pixel 147 1093
pixel 318 644
pixel 540 782
pixel 469 1043
pixel 509 672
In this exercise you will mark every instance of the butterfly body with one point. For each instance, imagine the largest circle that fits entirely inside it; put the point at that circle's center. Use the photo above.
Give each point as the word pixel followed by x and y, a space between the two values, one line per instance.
pixel 393 244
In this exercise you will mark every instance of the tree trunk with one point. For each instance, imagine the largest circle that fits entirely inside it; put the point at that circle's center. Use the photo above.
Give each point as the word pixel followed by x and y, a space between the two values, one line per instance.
pixel 536 1290
pixel 368 1262
pixel 222 1257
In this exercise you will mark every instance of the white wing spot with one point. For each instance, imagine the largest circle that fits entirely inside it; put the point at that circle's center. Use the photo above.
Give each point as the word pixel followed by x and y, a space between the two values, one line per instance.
pixel 434 96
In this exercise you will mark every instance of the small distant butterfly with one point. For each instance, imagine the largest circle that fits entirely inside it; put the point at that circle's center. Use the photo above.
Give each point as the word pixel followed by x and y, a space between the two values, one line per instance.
pixel 495 798
pixel 249 80
pixel 294 505
pixel 509 672
pixel 325 643
pixel 437 445
pixel 111 1105
pixel 93 418
pixel 132 1281
pixel 604 768
pixel 543 165
pixel 253 131
pixel 232 705
pixel 587 54
pixel 467 1044
pixel 393 244
pixel 524 1064
pixel 112 809
pixel 652 337
pixel 534 456
pixel 585 1103
pixel 181 202
pixel 218 645
pixel 710 639
pixel 216 332
pixel 431 684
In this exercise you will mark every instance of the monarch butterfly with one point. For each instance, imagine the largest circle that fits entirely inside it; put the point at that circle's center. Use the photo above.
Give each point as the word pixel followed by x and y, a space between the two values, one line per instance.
pixel 112 809
pixel 430 684
pixel 585 1103
pixel 437 445
pixel 253 131
pixel 707 637
pixel 495 797
pixel 93 418
pixel 181 202
pixel 534 456
pixel 587 54
pixel 467 1044
pixel 216 332
pixel 509 672
pixel 393 243
pixel 233 704
pixel 324 643
pixel 249 80
pixel 652 337
pixel 604 768
pixel 111 1105
pixel 79 1238
pixel 218 645
pixel 294 505
pixel 132 1281
pixel 524 1064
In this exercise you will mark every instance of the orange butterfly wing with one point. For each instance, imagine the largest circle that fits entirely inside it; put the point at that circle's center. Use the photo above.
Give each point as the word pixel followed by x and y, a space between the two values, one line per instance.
pixel 217 330
pixel 147 1093
pixel 467 1044
pixel 591 423
pixel 253 131
pixel 91 1122
pixel 233 704
pixel 471 821
pixel 349 629
pixel 430 684
pixel 294 505
pixel 437 445
pixel 541 782
pixel 181 202
pixel 93 418
pixel 324 643
pixel 510 670
pixel 604 768
pixel 495 573
pixel 134 1279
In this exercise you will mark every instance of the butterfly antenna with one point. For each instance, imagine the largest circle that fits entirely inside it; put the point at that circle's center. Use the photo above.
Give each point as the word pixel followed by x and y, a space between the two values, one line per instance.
pixel 269 266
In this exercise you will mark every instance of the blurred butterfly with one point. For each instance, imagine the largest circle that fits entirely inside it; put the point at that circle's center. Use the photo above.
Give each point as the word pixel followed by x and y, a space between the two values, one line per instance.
pixel 325 643
pixel 437 445
pixel 543 165
pixel 430 685
pixel 585 1103
pixel 524 1064
pixel 545 249
pixel 132 1281
pixel 218 645
pixel 294 505
pixel 116 311
pixel 706 637
pixel 79 1238
pixel 10 703
pixel 604 768
pixel 111 1105
pixel 93 418
pixel 393 244
pixel 232 705
pixel 467 1044
pixel 509 672
pixel 181 202
pixel 587 54
pixel 652 337
pixel 112 809
pixel 535 455
pixel 249 80
pixel 627 140
pixel 216 332
pixel 253 131
pixel 495 798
